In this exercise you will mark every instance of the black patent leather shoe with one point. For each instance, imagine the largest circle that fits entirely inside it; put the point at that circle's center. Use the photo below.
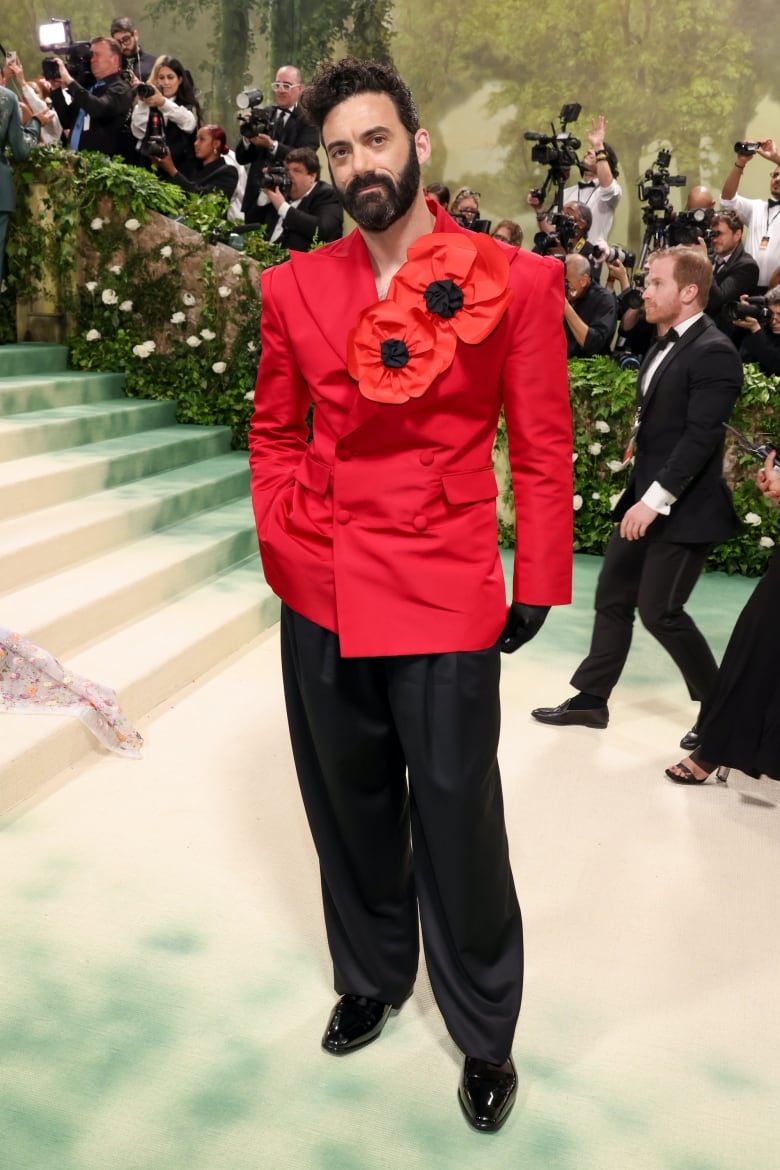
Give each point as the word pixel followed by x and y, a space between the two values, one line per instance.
pixel 564 714
pixel 487 1093
pixel 690 741
pixel 354 1022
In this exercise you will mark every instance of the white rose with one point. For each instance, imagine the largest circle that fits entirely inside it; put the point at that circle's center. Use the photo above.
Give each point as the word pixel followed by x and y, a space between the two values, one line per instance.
pixel 116 269
pixel 224 291
pixel 91 285
pixel 194 341
pixel 178 317
pixel 601 426
pixel 207 335
pixel 614 465
pixel 132 225
pixel 126 307
pixel 188 298
pixel 577 503
pixel 595 496
pixel 93 335
pixel 251 346
pixel 574 456
pixel 108 296
pixel 219 367
pixel 166 251
pixel 96 224
pixel 236 270
pixel 752 518
pixel 250 396
pixel 144 349
pixel 766 542
pixel 594 449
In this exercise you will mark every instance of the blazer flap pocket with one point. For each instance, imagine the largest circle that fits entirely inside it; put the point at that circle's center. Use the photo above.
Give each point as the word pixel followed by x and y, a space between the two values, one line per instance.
pixel 468 487
pixel 313 475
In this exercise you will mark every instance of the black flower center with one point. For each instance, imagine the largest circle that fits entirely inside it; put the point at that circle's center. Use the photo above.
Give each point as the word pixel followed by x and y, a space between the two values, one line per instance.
pixel 395 355
pixel 444 298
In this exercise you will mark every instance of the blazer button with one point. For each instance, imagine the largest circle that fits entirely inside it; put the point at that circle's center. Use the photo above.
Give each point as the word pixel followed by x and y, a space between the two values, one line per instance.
pixel 343 516
pixel 420 523
pixel 426 458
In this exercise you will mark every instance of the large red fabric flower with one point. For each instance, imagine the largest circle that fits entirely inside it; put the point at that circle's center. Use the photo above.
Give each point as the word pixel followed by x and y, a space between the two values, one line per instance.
pixel 458 281
pixel 394 352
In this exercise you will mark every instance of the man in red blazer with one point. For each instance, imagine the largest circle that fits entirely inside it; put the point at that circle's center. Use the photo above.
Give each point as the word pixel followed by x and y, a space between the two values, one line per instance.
pixel 379 536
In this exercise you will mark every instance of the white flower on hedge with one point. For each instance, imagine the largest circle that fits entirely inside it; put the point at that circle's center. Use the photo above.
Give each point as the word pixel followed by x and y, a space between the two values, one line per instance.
pixel 188 298
pixel 93 335
pixel 614 499
pixel 752 518
pixel 251 346
pixel 577 503
pixel 178 318
pixel 224 291
pixel 132 225
pixel 594 449
pixel 595 496
pixel 236 269
pixel 166 251
pixel 614 465
pixel 219 367
pixel 207 335
pixel 574 456
pixel 96 224
pixel 145 349
pixel 766 542
pixel 126 307
pixel 116 269
pixel 91 285
pixel 194 341
pixel 250 396
pixel 108 296
pixel 601 426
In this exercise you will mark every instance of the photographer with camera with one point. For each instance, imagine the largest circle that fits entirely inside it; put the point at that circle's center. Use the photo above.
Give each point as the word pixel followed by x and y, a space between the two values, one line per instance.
pixel 170 92
pixel 268 134
pixel 761 216
pixel 589 311
pixel 734 272
pixel 136 61
pixel 35 95
pixel 20 137
pixel 212 173
pixel 597 189
pixel 300 205
pixel 94 116
pixel 762 343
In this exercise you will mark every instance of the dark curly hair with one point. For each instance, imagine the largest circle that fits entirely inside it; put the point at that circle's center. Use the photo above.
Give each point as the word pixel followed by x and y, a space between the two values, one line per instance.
pixel 335 82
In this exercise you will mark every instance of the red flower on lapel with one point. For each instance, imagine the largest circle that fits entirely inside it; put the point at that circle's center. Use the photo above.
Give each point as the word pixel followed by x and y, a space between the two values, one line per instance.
pixel 394 353
pixel 458 281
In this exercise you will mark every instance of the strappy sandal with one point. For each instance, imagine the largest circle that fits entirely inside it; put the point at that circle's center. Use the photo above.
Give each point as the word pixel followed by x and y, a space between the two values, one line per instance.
pixel 682 774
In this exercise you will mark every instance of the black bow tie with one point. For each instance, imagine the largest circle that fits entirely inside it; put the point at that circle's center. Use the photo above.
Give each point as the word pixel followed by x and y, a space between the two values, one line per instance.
pixel 667 339
pixel 592 184
pixel 773 202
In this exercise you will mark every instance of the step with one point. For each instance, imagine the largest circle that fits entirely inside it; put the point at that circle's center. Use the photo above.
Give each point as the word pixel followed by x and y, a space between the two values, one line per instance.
pixel 24 393
pixel 80 604
pixel 37 481
pixel 42 543
pixel 32 357
pixel 71 426
pixel 145 664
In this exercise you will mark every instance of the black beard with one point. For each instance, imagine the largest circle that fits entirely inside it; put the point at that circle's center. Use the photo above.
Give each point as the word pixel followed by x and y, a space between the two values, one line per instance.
pixel 377 212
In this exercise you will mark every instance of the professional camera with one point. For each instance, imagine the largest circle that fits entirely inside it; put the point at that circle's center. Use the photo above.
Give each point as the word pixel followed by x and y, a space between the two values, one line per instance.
pixel 747 147
pixel 145 90
pixel 276 179
pixel 557 149
pixel 55 37
pixel 473 225
pixel 253 117
pixel 631 298
pixel 562 236
pixel 654 188
pixel 625 359
pixel 689 226
pixel 605 253
pixel 753 307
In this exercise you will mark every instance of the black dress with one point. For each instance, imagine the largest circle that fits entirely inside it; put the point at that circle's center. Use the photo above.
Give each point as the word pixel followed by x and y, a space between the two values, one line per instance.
pixel 739 725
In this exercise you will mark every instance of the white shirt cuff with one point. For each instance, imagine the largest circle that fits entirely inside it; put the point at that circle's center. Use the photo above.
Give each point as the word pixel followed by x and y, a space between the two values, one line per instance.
pixel 659 499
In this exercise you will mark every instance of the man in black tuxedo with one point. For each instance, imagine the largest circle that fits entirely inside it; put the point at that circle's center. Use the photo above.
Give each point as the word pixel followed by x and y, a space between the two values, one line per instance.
pixel 289 129
pixel 735 272
pixel 310 208
pixel 95 117
pixel 676 505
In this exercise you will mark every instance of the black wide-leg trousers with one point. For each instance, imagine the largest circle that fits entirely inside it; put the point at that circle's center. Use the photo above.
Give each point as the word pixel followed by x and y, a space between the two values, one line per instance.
pixel 396 759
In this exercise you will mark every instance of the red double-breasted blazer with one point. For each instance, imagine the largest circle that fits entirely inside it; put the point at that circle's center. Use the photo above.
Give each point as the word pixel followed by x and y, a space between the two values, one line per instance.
pixel 383 528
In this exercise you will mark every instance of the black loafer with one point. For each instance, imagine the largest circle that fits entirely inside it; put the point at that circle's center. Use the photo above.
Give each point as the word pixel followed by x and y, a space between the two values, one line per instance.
pixel 691 739
pixel 354 1022
pixel 487 1093
pixel 564 714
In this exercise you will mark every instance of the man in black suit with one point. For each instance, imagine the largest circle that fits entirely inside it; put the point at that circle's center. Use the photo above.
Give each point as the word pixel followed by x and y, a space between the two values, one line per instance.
pixel 735 272
pixel 136 61
pixel 676 505
pixel 289 129
pixel 589 311
pixel 96 116
pixel 310 208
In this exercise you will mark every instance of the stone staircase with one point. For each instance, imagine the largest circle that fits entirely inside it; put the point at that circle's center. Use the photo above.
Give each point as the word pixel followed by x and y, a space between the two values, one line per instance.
pixel 127 548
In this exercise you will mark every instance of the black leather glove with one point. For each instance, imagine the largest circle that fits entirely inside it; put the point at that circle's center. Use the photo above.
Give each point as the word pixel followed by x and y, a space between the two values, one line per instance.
pixel 522 624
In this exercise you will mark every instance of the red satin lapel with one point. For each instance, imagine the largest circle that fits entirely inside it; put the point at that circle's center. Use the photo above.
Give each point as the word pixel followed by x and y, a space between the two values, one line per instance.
pixel 335 286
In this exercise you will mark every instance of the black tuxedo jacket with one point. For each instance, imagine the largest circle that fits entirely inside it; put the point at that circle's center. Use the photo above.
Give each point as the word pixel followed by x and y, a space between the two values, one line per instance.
pixel 318 213
pixel 681 436
pixel 738 276
pixel 297 131
pixel 107 108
